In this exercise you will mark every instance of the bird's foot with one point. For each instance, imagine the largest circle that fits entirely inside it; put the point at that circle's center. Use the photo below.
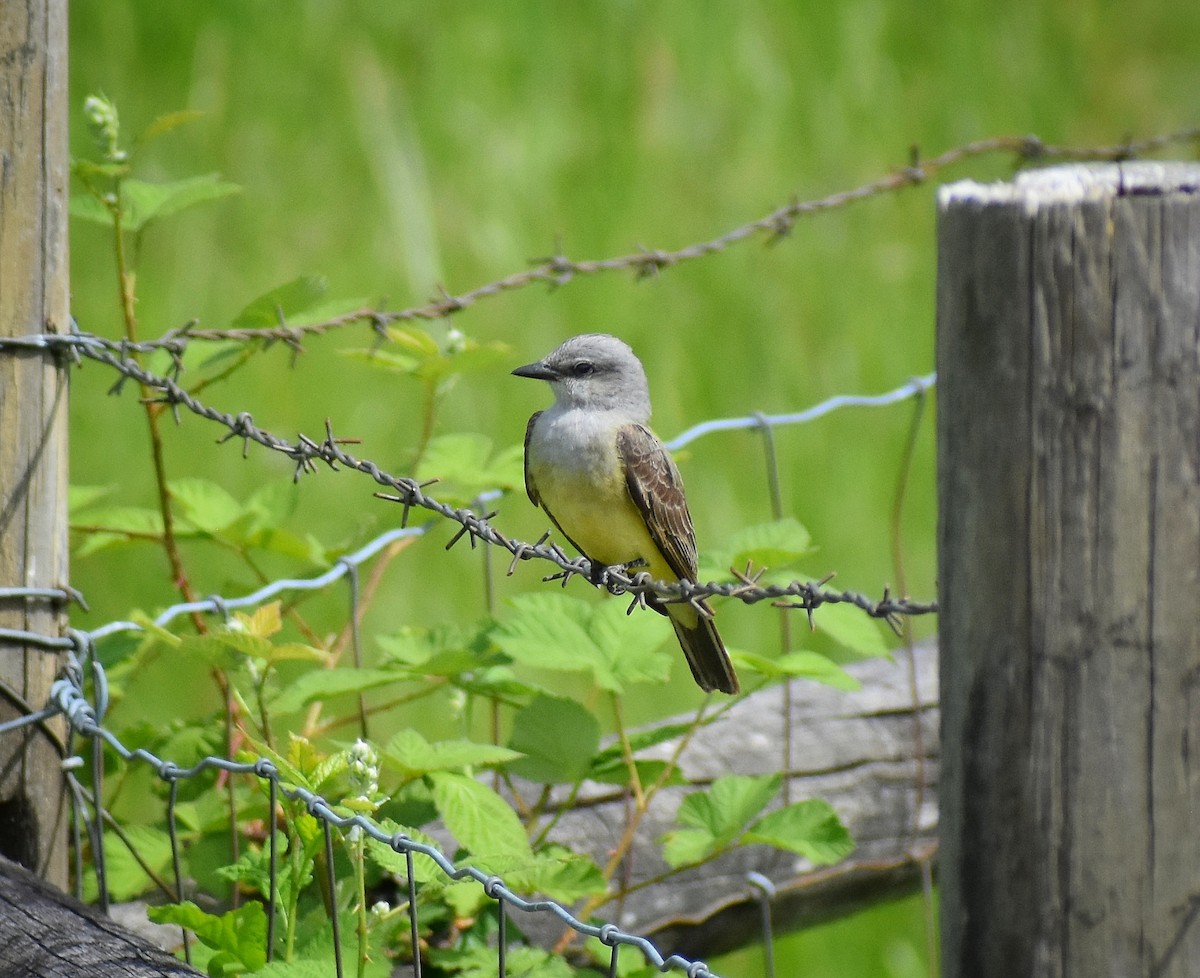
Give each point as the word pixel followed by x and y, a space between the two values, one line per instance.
pixel 602 576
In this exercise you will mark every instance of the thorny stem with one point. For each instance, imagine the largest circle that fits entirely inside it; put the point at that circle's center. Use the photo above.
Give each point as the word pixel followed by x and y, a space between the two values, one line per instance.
pixel 635 781
pixel 127 282
pixel 360 885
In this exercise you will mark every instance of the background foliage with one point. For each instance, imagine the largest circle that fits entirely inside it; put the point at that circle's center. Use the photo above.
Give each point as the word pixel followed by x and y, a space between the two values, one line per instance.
pixel 397 148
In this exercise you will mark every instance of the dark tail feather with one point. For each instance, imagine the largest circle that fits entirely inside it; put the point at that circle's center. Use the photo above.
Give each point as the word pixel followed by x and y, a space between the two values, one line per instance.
pixel 706 655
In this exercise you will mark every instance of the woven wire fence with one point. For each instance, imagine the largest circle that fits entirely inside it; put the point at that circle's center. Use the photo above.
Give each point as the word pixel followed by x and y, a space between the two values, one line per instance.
pixel 85 712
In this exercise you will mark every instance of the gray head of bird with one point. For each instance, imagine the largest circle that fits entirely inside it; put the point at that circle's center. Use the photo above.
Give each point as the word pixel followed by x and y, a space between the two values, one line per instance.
pixel 594 371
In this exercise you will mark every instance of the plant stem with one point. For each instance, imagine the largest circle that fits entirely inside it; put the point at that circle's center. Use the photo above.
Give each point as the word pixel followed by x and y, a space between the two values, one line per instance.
pixel 127 288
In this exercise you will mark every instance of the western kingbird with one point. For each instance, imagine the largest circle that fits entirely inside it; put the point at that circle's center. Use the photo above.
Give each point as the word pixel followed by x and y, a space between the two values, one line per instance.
pixel 612 488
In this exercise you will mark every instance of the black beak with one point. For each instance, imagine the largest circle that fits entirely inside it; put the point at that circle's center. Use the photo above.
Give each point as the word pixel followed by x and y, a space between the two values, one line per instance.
pixel 537 371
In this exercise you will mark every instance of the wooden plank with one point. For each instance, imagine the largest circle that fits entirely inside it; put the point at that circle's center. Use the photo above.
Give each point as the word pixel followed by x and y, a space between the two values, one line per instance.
pixel 33 415
pixel 1069 550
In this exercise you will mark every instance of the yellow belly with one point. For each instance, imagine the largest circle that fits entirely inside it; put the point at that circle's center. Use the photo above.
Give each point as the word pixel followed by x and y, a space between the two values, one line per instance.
pixel 600 518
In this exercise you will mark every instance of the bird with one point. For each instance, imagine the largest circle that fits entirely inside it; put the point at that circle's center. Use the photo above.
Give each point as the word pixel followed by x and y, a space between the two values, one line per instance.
pixel 611 487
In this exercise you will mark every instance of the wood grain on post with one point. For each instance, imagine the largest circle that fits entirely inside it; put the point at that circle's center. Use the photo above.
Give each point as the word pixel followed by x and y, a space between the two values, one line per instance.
pixel 1069 543
pixel 33 416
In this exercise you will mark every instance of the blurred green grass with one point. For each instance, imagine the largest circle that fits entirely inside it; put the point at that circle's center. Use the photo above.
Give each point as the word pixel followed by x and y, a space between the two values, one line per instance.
pixel 396 148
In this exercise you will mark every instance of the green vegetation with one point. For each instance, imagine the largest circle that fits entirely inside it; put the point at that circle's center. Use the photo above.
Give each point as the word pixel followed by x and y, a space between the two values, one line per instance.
pixel 386 152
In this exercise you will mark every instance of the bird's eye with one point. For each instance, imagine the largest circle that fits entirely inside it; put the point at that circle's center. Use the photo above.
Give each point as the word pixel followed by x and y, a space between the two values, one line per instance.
pixel 583 368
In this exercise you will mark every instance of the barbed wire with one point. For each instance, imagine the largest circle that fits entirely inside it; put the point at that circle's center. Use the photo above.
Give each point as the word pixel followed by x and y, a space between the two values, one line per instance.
pixel 559 270
pixel 306 452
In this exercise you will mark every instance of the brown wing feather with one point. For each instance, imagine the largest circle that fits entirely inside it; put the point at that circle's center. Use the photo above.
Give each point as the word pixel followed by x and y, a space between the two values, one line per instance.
pixel 530 488
pixel 656 488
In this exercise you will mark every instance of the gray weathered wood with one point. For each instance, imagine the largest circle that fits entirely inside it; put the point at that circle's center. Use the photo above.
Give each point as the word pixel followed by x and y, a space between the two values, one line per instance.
pixel 47 934
pixel 33 414
pixel 1069 549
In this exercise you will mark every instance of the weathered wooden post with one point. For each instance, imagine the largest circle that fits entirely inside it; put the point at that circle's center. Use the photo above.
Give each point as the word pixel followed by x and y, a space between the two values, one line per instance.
pixel 33 417
pixel 1069 542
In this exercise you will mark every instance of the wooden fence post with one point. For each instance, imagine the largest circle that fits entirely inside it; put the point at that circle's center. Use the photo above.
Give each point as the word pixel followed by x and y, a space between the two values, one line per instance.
pixel 33 418
pixel 1069 562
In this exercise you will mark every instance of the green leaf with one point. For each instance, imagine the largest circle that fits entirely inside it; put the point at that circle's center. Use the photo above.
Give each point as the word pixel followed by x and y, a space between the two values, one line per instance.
pixel 616 772
pixel 556 872
pixel 425 870
pixel 166 123
pixel 86 207
pixel 124 874
pixel 206 505
pixel 558 738
pixel 289 299
pixel 478 818
pixel 400 363
pixel 144 202
pixel 639 740
pixel 777 544
pixel 810 828
pixel 81 497
pixel 559 632
pixel 851 628
pixel 119 524
pixel 323 684
pixel 712 820
pixel 413 756
pixel 475 960
pixel 801 664
pixel 240 933
pixel 774 545
pixel 466 465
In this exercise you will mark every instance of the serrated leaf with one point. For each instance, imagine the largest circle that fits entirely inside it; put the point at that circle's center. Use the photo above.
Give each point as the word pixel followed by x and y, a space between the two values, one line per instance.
pixel 240 933
pixel 558 738
pixel 323 684
pixel 289 299
pixel 774 545
pixel 477 817
pixel 780 543
pixel 852 628
pixel 479 961
pixel 466 465
pixel 556 631
pixel 413 756
pixel 810 828
pixel 425 870
pixel 144 202
pixel 712 820
pixel 206 505
pixel 801 664
pixel 557 872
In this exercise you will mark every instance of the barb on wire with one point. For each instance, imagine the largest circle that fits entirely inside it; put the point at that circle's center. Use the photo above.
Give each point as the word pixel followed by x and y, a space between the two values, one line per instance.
pixel 306 452
pixel 68 697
